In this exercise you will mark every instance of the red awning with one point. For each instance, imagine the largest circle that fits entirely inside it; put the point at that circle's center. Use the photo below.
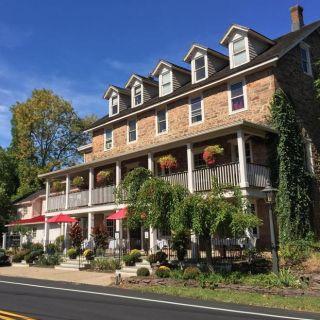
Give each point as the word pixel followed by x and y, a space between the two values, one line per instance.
pixel 62 218
pixel 34 220
pixel 118 215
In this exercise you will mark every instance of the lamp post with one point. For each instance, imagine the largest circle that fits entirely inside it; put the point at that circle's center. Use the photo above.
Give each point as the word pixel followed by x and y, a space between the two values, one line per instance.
pixel 270 193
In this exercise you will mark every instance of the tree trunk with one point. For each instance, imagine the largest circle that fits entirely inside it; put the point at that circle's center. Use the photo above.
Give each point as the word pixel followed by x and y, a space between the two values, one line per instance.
pixel 208 249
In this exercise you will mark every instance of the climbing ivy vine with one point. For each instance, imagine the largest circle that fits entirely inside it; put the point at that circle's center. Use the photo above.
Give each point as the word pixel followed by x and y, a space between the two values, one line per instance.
pixel 293 205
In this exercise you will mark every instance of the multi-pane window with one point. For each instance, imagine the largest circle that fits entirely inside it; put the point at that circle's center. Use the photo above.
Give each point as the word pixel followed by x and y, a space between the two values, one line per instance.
pixel 108 138
pixel 237 96
pixel 239 52
pixel 161 121
pixel 198 161
pixel 305 60
pixel 110 226
pixel 132 130
pixel 196 110
pixel 114 104
pixel 199 68
pixel 166 83
pixel 137 92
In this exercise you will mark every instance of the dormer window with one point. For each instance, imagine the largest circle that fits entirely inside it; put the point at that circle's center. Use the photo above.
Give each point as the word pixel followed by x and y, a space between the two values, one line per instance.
pixel 166 83
pixel 239 52
pixel 199 68
pixel 114 105
pixel 137 95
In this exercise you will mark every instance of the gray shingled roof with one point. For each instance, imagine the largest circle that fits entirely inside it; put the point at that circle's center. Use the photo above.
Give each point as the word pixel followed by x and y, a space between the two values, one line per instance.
pixel 282 45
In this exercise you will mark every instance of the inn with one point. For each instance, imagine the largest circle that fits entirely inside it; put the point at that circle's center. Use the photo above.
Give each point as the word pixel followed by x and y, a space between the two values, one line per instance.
pixel 216 99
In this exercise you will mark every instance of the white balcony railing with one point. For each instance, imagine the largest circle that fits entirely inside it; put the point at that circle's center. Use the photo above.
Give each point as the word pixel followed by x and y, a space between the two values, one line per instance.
pixel 103 195
pixel 258 175
pixel 57 203
pixel 78 199
pixel 177 178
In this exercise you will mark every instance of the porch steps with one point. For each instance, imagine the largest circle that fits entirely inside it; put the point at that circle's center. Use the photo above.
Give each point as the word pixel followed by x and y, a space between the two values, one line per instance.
pixel 127 272
pixel 72 265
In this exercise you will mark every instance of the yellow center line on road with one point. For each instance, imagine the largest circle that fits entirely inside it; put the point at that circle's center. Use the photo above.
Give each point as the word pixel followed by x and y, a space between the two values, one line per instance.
pixel 6 315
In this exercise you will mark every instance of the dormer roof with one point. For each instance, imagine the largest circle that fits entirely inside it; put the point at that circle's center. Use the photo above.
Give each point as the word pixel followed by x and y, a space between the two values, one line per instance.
pixel 142 79
pixel 113 88
pixel 163 63
pixel 196 46
pixel 225 40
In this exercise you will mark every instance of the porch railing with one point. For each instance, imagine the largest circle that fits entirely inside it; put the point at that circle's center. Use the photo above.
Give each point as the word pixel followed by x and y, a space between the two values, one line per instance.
pixel 78 199
pixel 177 178
pixel 57 202
pixel 103 195
pixel 225 174
pixel 258 175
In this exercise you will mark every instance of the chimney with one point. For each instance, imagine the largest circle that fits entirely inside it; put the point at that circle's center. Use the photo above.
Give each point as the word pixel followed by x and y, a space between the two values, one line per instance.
pixel 296 17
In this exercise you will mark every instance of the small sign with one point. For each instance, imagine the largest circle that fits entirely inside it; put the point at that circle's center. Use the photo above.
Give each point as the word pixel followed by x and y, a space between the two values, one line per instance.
pixel 146 235
pixel 117 235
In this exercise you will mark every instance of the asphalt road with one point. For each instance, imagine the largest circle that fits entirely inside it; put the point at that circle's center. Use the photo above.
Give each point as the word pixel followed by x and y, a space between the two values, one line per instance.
pixel 36 299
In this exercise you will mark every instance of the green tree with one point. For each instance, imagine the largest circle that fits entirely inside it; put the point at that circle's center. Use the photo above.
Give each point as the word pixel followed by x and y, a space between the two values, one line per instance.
pixel 46 132
pixel 293 205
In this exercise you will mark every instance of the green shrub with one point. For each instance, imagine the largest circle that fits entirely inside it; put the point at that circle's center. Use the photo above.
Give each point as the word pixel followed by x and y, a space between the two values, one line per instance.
pixel 143 272
pixel 19 256
pixel 296 252
pixel 49 260
pixel 26 246
pixel 163 272
pixel 72 253
pixel 191 273
pixel 36 247
pixel 176 274
pixel 88 254
pixel 33 256
pixel 129 260
pixel 210 280
pixel 101 264
pixel 233 278
pixel 180 243
pixel 136 255
pixel 160 257
pixel 51 249
pixel 59 242
pixel 4 258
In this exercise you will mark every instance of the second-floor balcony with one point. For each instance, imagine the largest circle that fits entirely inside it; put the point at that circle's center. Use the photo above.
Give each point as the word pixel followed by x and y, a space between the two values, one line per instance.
pixel 226 174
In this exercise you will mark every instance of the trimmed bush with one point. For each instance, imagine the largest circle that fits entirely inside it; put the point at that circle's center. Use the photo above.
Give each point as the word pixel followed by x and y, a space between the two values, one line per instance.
pixel 160 257
pixel 129 260
pixel 51 249
pixel 72 253
pixel 163 272
pixel 191 273
pixel 136 254
pixel 33 256
pixel 49 260
pixel 19 256
pixel 143 272
pixel 101 264
pixel 37 247
pixel 88 254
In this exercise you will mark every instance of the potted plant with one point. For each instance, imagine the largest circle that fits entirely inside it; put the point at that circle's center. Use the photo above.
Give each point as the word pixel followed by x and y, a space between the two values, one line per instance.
pixel 103 176
pixel 78 182
pixel 167 162
pixel 210 152
pixel 57 186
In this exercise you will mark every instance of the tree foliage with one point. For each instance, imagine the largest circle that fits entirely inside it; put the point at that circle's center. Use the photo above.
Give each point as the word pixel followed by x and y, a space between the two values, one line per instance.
pixel 46 132
pixel 293 200
pixel 76 236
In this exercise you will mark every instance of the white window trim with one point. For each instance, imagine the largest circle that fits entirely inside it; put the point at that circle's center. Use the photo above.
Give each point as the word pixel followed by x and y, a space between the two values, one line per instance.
pixel 202 111
pixel 105 139
pixel 231 55
pixel 160 82
pixel 193 68
pixel 156 120
pixel 306 47
pixel 129 142
pixel 245 96
pixel 133 96
pixel 110 105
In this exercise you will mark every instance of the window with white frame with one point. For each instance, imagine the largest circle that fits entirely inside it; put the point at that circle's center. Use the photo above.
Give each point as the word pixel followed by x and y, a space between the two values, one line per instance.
pixel 166 83
pixel 132 130
pixel 114 104
pixel 239 52
pixel 237 98
pixel 137 95
pixel 108 139
pixel 199 68
pixel 196 110
pixel 161 121
pixel 305 59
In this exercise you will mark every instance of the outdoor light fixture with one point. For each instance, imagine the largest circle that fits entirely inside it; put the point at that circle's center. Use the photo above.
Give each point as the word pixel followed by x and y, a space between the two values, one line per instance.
pixel 270 196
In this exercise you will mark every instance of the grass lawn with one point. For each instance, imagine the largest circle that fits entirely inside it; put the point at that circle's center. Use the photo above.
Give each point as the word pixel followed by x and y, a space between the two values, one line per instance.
pixel 298 303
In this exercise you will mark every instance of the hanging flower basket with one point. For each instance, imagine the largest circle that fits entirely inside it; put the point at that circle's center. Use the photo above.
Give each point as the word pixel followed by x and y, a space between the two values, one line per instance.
pixel 103 176
pixel 210 152
pixel 143 216
pixel 167 162
pixel 57 186
pixel 78 182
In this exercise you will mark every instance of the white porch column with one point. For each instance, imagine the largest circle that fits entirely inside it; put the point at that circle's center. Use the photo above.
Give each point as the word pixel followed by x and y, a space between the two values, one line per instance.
pixel 91 186
pixel 150 162
pixel 47 195
pixel 46 233
pixel 242 159
pixel 65 228
pixel 4 240
pixel 67 190
pixel 194 246
pixel 119 228
pixel 90 224
pixel 190 166
pixel 118 173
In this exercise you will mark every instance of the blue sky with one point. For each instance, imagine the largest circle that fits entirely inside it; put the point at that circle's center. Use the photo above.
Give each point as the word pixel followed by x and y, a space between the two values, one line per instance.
pixel 77 48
